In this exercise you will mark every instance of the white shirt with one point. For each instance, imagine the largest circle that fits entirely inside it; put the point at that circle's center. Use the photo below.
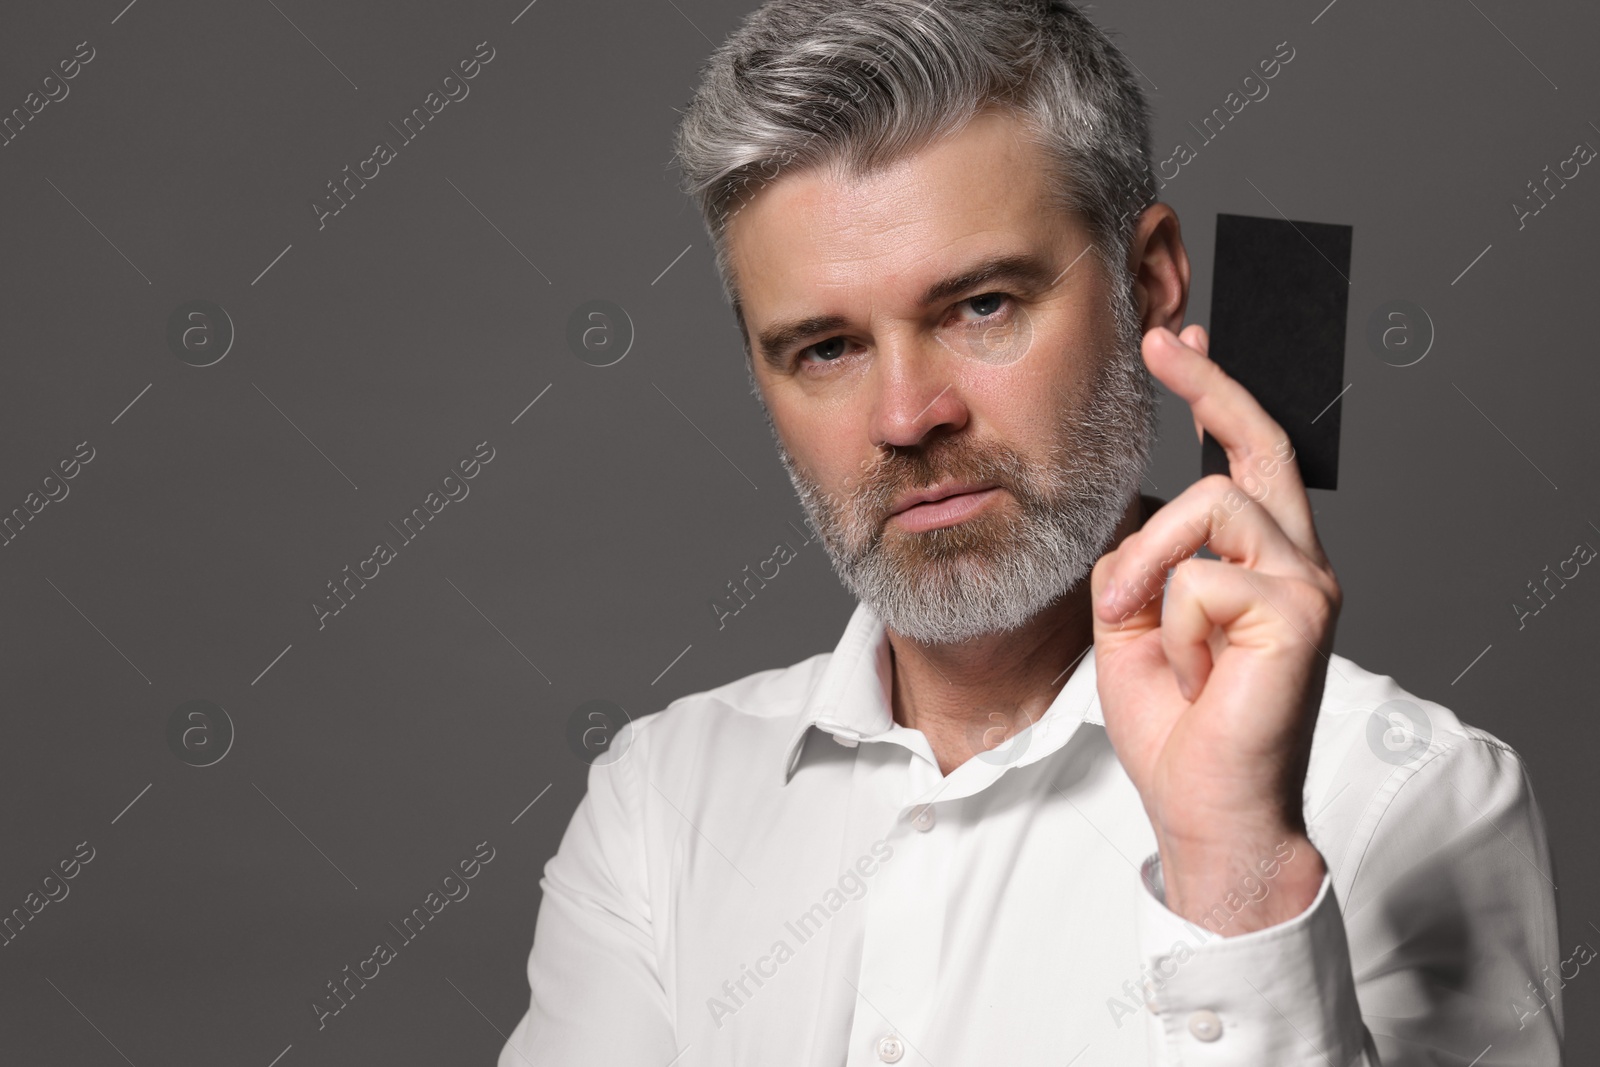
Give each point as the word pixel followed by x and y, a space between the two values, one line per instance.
pixel 774 872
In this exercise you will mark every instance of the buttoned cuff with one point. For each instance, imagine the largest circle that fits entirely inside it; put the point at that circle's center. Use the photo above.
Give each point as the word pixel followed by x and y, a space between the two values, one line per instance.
pixel 1282 995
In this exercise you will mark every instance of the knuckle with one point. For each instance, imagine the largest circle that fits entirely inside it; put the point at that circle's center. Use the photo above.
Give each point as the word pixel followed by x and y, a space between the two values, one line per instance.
pixel 1186 573
pixel 1335 593
pixel 1313 603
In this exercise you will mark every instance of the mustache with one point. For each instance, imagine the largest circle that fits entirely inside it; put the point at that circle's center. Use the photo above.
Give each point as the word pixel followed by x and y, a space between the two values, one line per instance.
pixel 910 471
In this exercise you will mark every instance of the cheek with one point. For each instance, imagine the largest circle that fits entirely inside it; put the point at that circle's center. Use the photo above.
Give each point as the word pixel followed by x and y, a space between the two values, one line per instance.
pixel 825 437
pixel 819 458
pixel 1069 370
pixel 1023 404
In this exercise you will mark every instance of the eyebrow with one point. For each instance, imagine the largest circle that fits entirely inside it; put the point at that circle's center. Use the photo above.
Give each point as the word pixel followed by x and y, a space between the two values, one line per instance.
pixel 1027 269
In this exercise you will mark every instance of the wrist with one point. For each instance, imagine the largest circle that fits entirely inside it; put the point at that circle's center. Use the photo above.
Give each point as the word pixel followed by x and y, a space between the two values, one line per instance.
pixel 1249 882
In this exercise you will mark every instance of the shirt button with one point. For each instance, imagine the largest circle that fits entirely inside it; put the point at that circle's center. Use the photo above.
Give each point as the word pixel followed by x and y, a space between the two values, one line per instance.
pixel 1205 1025
pixel 890 1049
pixel 923 819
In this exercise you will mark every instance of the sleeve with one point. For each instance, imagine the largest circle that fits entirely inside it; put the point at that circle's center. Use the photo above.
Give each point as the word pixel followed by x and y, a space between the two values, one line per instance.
pixel 596 993
pixel 1440 953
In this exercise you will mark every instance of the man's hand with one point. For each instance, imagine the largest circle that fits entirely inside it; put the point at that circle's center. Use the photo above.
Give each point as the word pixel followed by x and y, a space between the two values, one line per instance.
pixel 1210 694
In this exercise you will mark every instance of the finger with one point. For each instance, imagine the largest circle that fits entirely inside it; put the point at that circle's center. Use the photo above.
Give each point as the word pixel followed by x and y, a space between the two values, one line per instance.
pixel 1213 513
pixel 1125 622
pixel 1260 454
pixel 1197 606
pixel 1195 337
pixel 1211 603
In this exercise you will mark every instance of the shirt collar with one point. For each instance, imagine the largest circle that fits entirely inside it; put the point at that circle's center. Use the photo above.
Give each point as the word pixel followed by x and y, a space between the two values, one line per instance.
pixel 852 698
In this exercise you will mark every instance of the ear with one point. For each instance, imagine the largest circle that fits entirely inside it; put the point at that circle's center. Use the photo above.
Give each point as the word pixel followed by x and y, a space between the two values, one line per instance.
pixel 1159 266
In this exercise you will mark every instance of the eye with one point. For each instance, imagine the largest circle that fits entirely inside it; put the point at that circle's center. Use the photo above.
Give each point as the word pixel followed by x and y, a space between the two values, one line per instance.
pixel 993 302
pixel 830 350
pixel 987 306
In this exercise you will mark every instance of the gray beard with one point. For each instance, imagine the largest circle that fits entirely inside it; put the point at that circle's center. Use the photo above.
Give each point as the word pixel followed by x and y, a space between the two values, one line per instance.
pixel 995 571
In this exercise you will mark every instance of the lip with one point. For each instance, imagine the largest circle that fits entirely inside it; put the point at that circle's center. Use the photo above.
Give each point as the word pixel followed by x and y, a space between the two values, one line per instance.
pixel 942 506
pixel 937 492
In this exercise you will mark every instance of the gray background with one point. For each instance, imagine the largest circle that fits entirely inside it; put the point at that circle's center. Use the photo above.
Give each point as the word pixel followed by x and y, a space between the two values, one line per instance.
pixel 426 317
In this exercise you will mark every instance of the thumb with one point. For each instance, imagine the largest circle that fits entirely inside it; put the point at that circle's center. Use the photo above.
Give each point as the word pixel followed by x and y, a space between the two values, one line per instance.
pixel 1137 610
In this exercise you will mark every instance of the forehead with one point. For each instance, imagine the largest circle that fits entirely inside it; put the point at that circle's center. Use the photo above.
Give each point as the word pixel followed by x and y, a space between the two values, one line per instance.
pixel 820 235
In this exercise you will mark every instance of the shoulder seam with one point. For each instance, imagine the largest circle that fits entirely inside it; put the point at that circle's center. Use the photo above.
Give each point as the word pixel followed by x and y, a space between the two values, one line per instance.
pixel 1437 752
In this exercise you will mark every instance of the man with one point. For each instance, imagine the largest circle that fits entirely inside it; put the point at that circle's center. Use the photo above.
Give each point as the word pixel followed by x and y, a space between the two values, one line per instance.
pixel 1043 804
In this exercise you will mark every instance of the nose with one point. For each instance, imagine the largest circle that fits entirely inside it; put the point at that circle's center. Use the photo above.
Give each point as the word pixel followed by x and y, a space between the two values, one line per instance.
pixel 915 390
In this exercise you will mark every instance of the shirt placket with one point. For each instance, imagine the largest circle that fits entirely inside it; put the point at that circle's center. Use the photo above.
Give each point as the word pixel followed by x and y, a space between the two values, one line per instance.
pixel 904 918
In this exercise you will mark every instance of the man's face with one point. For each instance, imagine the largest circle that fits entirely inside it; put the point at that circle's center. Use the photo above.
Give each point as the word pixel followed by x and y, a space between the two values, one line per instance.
pixel 884 374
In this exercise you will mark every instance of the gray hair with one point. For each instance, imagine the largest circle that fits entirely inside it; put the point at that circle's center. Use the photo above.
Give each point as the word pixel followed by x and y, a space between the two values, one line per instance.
pixel 808 83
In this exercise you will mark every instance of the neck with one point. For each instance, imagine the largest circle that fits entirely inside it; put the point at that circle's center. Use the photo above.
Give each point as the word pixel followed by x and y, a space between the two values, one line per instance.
pixel 968 697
